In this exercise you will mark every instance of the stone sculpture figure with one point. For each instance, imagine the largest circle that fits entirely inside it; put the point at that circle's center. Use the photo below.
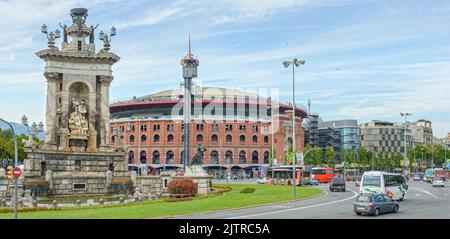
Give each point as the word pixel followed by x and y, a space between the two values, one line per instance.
pixel 78 124
pixel 64 26
pixel 138 195
pixel 79 16
pixel 64 120
pixel 91 37
pixel 27 199
pixel 199 155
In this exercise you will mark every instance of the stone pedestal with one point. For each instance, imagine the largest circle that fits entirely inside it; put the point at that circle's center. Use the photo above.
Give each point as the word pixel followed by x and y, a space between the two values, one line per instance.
pixel 3 186
pixel 200 177
pixel 70 173
pixel 195 171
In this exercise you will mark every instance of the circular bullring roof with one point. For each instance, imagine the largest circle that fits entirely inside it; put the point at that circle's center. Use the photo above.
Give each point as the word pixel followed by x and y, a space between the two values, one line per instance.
pixel 206 92
pixel 159 104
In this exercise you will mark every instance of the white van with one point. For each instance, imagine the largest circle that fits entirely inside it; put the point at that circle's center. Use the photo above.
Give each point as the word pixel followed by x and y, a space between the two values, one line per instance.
pixel 392 184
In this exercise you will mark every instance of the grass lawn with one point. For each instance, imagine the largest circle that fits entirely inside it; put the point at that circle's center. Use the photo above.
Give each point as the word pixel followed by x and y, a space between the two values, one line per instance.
pixel 264 194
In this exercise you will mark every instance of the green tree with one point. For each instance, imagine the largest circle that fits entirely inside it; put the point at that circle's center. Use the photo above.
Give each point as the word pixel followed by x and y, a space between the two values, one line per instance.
pixel 272 153
pixel 317 156
pixel 308 157
pixel 365 158
pixel 288 156
pixel 346 156
pixel 7 146
pixel 330 156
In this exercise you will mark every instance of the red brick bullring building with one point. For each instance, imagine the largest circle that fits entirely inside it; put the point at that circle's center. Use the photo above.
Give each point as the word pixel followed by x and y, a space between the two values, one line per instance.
pixel 234 127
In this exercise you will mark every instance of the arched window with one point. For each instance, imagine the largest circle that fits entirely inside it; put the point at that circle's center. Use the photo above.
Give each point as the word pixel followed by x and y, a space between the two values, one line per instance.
pixel 214 157
pixel 229 138
pixel 170 138
pixel 199 138
pixel 266 139
pixel 131 157
pixel 156 157
pixel 242 139
pixel 242 157
pixel 113 139
pixel 143 157
pixel 255 139
pixel 266 157
pixel 131 138
pixel 255 157
pixel 169 157
pixel 228 157
pixel 143 138
pixel 214 138
pixel 156 138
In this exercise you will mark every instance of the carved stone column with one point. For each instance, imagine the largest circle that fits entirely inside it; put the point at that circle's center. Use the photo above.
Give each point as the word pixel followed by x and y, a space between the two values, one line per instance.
pixel 104 111
pixel 92 139
pixel 50 113
pixel 64 130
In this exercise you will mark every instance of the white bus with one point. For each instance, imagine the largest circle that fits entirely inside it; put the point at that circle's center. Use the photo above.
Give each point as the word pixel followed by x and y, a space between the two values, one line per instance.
pixel 392 184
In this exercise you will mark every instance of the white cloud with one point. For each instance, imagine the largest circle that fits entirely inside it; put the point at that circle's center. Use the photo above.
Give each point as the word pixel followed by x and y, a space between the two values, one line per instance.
pixel 153 17
pixel 252 10
pixel 424 91
pixel 441 129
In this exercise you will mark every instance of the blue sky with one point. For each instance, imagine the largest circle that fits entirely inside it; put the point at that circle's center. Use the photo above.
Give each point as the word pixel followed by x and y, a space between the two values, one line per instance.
pixel 364 59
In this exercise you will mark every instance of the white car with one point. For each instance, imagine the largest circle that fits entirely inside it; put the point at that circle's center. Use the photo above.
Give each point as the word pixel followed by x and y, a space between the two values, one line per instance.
pixel 438 182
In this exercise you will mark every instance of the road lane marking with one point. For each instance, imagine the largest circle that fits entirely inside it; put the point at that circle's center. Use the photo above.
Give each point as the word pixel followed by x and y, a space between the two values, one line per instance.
pixel 298 208
pixel 426 192
pixel 435 197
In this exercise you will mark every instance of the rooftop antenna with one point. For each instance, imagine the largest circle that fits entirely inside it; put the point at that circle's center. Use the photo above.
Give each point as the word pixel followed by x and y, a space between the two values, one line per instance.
pixel 309 106
pixel 189 53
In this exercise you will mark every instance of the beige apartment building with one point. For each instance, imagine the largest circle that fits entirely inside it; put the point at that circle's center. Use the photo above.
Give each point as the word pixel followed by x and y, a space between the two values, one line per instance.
pixel 422 132
pixel 384 136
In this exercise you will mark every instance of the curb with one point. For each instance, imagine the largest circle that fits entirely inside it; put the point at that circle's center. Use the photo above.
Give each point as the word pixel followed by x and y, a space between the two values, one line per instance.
pixel 324 193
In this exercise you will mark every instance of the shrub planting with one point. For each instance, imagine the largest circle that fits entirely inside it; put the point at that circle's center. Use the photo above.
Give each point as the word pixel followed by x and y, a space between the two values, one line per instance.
pixel 184 186
pixel 247 190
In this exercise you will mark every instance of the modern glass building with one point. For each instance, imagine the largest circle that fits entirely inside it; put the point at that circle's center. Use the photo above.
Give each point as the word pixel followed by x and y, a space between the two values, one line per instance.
pixel 348 131
pixel 350 137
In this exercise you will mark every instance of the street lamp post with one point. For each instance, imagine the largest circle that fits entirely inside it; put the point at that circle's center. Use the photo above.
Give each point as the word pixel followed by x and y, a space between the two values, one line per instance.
pixel 295 63
pixel 405 155
pixel 16 163
pixel 189 64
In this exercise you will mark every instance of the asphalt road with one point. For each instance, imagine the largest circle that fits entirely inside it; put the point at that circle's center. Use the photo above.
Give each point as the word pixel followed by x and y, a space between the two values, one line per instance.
pixel 422 202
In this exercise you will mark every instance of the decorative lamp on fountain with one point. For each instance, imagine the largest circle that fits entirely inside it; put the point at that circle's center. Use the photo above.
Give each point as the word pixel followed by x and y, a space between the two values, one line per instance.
pixel 107 38
pixel 33 131
pixel 51 37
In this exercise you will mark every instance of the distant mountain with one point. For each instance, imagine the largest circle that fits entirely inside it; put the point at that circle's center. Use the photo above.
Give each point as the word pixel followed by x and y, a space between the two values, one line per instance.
pixel 20 129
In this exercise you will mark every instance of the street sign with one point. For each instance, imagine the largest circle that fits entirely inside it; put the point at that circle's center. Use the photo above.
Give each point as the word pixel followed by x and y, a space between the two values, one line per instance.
pixel 17 172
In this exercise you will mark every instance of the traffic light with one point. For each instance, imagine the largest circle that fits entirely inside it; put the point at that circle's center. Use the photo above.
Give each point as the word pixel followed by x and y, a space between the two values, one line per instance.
pixel 9 170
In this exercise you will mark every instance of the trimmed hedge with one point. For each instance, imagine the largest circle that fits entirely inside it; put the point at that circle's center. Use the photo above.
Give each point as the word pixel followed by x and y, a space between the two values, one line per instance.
pixel 28 209
pixel 247 190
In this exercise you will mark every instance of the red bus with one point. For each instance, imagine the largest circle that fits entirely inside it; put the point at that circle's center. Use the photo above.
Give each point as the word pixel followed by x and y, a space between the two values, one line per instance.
pixel 324 175
pixel 282 175
pixel 439 173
